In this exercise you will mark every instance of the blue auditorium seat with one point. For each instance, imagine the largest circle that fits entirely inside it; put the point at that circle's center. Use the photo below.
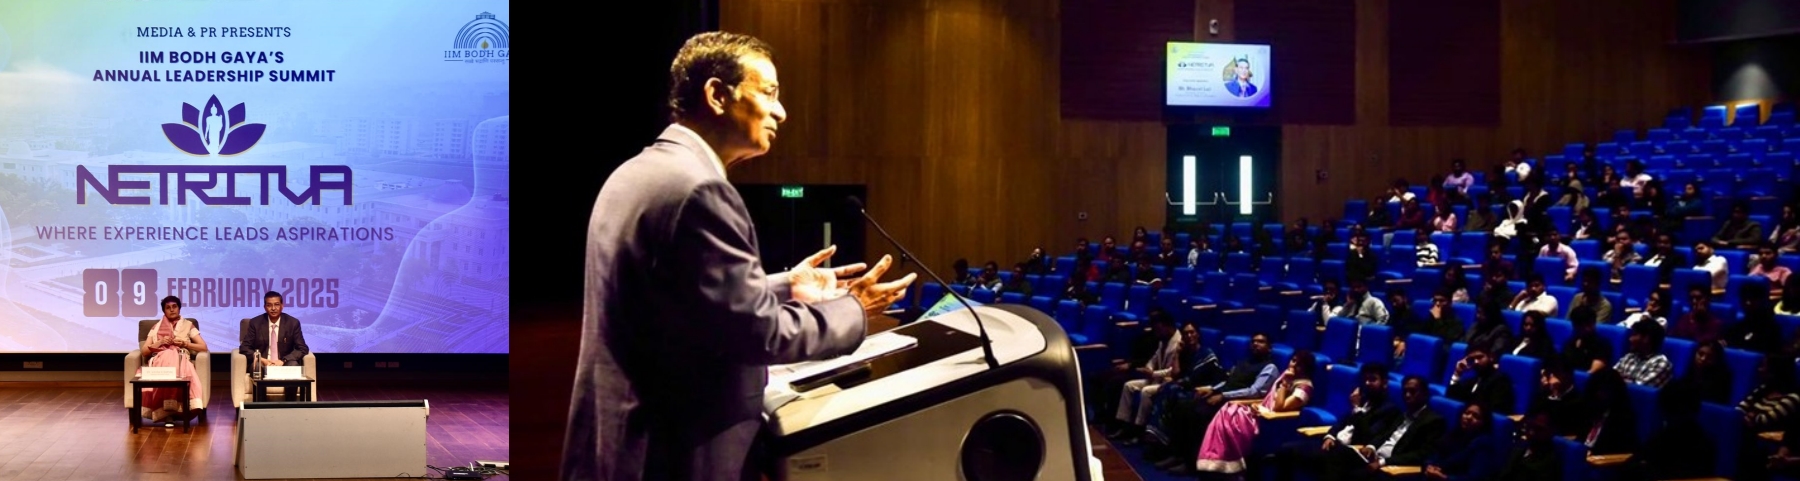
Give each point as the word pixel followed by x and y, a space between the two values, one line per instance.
pixel 1457 351
pixel 1524 372
pixel 1743 371
pixel 1339 341
pixel 1137 300
pixel 1301 331
pixel 1301 271
pixel 1646 409
pixel 1615 336
pixel 1724 426
pixel 1746 115
pixel 1680 353
pixel 1560 331
pixel 1340 379
pixel 1375 344
pixel 1423 356
pixel 1011 297
pixel 1624 136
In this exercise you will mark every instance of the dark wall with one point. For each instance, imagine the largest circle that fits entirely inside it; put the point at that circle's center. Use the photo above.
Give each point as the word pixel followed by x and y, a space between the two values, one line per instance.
pixel 615 99
pixel 1724 20
pixel 635 90
pixel 1763 68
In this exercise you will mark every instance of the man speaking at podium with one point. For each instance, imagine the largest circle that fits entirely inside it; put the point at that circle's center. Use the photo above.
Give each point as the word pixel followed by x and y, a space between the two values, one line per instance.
pixel 680 322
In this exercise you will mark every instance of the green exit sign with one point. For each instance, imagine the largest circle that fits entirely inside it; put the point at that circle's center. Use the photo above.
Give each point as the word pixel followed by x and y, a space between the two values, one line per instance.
pixel 1221 131
pixel 793 191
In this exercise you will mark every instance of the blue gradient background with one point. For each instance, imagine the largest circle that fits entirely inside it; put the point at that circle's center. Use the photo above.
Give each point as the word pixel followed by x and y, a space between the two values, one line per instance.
pixel 426 138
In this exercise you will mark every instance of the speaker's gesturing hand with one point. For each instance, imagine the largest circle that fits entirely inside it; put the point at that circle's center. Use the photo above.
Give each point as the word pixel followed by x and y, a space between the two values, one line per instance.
pixel 874 295
pixel 811 284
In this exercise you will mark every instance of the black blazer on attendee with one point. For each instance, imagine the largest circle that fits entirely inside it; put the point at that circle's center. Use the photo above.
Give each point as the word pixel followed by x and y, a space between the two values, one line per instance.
pixel 1373 419
pixel 1494 390
pixel 290 341
pixel 1617 435
pixel 1526 464
pixel 1419 441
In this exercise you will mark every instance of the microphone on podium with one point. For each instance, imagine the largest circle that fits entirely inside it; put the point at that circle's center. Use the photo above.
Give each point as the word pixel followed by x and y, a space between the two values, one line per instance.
pixel 987 345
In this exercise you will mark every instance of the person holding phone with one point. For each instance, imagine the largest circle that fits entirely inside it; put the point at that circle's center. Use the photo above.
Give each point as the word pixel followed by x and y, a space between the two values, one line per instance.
pixel 1478 379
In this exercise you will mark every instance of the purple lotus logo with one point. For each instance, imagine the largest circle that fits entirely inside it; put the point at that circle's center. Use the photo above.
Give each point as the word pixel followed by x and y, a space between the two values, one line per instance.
pixel 218 131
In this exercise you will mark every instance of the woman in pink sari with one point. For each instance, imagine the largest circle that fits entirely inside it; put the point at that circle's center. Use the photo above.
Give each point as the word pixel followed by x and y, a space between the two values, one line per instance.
pixel 170 345
pixel 1228 438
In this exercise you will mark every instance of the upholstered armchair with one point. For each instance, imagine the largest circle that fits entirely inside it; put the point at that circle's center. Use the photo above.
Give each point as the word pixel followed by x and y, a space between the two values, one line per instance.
pixel 202 367
pixel 240 374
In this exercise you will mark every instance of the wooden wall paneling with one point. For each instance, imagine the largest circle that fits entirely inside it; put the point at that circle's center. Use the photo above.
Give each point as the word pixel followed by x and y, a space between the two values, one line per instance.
pixel 1112 55
pixel 1207 10
pixel 956 113
pixel 1444 63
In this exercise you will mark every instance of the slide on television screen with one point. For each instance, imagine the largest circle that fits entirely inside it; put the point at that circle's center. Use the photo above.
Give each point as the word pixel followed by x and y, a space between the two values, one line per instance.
pixel 1217 75
pixel 349 155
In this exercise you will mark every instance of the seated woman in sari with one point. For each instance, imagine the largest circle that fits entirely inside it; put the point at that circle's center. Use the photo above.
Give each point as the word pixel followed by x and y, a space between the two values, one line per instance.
pixel 1229 437
pixel 170 345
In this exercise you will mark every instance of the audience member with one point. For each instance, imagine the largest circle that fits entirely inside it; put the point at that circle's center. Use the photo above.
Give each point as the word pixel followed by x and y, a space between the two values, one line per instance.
pixel 1554 247
pixel 1708 376
pixel 1459 180
pixel 1643 362
pixel 1656 308
pixel 1469 451
pixel 1536 459
pixel 1766 263
pixel 1585 350
pixel 1490 331
pixel 1226 445
pixel 1534 339
pixel 1361 262
pixel 1611 425
pixel 1457 283
pixel 1425 253
pixel 1665 259
pixel 1623 252
pixel 1477 378
pixel 1534 299
pixel 1681 449
pixel 1409 442
pixel 1371 412
pixel 1698 324
pixel 1361 306
pixel 1133 384
pixel 1557 395
pixel 1756 329
pixel 1738 230
pixel 1785 234
pixel 1251 378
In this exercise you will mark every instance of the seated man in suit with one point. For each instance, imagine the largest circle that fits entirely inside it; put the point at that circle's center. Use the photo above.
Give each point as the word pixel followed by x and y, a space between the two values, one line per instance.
pixel 1406 442
pixel 1477 378
pixel 1370 414
pixel 275 335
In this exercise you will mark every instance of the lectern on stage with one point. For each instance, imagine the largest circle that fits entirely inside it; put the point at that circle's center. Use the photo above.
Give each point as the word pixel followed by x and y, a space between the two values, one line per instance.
pixel 920 402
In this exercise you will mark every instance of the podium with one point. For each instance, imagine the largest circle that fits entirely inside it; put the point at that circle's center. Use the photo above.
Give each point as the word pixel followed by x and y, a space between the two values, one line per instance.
pixel 934 409
pixel 341 439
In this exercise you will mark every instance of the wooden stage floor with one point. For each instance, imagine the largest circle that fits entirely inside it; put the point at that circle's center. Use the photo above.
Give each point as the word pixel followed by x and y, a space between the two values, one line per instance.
pixel 78 431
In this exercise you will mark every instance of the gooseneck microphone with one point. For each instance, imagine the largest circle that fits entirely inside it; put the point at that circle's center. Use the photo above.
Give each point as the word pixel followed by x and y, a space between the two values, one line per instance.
pixel 987 345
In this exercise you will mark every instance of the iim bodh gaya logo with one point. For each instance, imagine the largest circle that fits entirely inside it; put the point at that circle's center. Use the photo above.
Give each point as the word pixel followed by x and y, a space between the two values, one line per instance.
pixel 217 131
pixel 482 40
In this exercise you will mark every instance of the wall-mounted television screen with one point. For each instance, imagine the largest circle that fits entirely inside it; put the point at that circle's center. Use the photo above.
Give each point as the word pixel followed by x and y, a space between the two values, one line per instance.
pixel 1217 75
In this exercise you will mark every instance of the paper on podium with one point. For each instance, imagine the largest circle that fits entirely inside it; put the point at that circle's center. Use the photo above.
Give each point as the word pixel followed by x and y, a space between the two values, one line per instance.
pixel 781 377
pixel 283 372
pixel 155 373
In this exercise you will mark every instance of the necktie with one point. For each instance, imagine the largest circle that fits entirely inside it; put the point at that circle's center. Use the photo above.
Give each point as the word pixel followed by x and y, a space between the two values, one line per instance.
pixel 274 328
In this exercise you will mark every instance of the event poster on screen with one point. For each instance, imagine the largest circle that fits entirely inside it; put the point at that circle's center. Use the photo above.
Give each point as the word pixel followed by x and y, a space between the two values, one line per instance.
pixel 1217 75
pixel 351 156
